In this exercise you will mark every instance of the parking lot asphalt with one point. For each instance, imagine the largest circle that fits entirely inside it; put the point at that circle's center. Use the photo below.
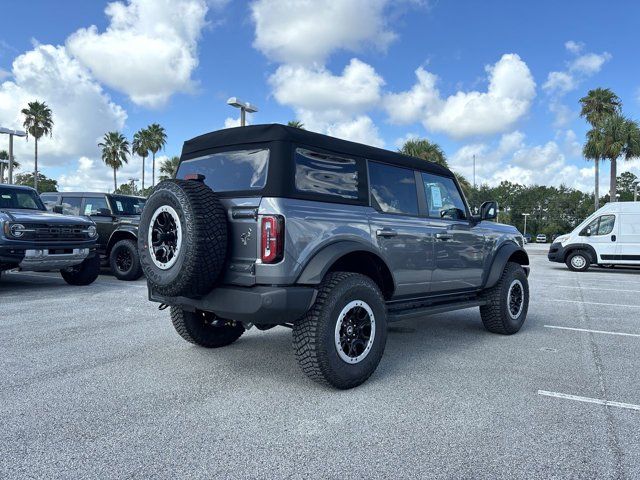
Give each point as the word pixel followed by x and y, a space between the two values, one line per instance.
pixel 94 382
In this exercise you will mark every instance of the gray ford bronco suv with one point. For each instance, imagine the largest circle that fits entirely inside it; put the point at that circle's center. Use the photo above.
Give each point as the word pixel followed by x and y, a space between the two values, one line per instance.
pixel 270 225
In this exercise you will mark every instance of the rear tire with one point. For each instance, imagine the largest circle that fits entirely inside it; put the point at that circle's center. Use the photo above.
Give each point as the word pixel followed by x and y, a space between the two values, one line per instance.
pixel 205 329
pixel 508 301
pixel 83 274
pixel 341 339
pixel 578 261
pixel 124 260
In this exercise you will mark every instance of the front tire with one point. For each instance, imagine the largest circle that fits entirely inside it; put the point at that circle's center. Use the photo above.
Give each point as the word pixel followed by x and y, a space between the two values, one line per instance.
pixel 83 274
pixel 341 339
pixel 507 302
pixel 578 261
pixel 205 329
pixel 124 260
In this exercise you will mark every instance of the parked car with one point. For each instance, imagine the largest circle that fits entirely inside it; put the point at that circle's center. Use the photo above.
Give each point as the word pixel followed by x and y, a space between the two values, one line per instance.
pixel 269 225
pixel 541 238
pixel 608 237
pixel 116 218
pixel 32 239
pixel 527 238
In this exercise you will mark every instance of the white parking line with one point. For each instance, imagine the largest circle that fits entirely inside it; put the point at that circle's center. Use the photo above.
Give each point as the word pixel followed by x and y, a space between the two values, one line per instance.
pixel 595 288
pixel 577 398
pixel 593 331
pixel 592 303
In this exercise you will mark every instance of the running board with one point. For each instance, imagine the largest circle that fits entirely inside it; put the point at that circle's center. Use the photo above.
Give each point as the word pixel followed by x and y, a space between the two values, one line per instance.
pixel 397 315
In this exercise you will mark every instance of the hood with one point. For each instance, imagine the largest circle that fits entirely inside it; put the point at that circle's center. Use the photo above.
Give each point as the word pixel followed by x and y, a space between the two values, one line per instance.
pixel 39 216
pixel 500 227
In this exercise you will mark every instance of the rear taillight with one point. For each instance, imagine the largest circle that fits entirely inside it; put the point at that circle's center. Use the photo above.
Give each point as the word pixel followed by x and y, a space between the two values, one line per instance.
pixel 272 234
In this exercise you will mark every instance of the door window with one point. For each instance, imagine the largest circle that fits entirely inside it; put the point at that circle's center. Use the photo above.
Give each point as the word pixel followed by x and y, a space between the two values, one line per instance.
pixel 393 189
pixel 443 198
pixel 71 205
pixel 602 225
pixel 96 206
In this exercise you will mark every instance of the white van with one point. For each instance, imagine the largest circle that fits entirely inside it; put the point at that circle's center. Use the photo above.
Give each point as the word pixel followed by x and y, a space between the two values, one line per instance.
pixel 610 236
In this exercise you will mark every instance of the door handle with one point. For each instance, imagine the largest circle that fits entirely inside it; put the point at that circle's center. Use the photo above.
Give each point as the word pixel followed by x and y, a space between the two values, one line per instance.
pixel 386 232
pixel 613 238
pixel 444 236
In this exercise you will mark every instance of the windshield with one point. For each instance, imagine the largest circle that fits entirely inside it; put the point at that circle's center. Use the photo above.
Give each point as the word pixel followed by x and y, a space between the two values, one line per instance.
pixel 19 198
pixel 238 170
pixel 123 205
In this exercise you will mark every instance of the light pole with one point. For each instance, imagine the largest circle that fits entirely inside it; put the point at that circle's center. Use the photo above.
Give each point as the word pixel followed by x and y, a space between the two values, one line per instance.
pixel 133 185
pixel 244 108
pixel 525 215
pixel 635 190
pixel 474 171
pixel 11 133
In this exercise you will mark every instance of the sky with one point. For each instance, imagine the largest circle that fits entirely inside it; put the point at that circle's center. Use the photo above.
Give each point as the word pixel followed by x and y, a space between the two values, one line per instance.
pixel 497 79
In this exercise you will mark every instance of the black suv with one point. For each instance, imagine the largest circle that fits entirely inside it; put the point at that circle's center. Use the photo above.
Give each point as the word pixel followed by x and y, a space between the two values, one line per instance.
pixel 270 225
pixel 33 239
pixel 116 217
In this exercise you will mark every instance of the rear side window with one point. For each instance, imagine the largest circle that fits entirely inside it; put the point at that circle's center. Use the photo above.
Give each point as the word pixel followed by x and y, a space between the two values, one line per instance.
pixel 326 174
pixel 443 198
pixel 393 189
pixel 236 170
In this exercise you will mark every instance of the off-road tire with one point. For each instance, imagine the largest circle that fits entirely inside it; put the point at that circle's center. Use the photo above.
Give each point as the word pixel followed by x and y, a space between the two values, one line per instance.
pixel 204 239
pixel 314 333
pixel 495 314
pixel 578 261
pixel 197 328
pixel 128 247
pixel 84 274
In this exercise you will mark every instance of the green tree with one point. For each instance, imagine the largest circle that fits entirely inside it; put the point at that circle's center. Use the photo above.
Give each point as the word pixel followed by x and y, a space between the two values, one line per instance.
pixel 38 121
pixel 620 138
pixel 4 167
pixel 158 139
pixel 127 189
pixel 45 184
pixel 296 124
pixel 141 146
pixel 115 149
pixel 597 105
pixel 169 167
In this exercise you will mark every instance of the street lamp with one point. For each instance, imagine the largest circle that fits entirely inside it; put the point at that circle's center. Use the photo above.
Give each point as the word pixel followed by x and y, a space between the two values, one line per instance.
pixel 525 215
pixel 244 108
pixel 11 133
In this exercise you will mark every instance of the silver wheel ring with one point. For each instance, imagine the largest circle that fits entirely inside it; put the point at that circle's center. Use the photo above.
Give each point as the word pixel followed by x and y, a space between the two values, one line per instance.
pixel 174 215
pixel 578 261
pixel 515 283
pixel 350 306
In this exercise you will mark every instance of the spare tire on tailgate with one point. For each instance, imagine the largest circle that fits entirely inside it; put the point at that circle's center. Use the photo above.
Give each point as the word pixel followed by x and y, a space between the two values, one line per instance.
pixel 182 238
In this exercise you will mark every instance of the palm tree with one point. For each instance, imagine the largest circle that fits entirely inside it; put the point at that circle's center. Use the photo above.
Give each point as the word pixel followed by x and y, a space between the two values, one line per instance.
pixel 158 138
pixel 141 146
pixel 168 168
pixel 38 122
pixel 115 149
pixel 426 150
pixel 620 137
pixel 597 105
pixel 593 149
pixel 296 124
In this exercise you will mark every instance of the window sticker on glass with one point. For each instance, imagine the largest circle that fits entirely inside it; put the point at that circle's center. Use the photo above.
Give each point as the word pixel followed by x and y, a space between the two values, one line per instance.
pixel 87 209
pixel 119 204
pixel 436 196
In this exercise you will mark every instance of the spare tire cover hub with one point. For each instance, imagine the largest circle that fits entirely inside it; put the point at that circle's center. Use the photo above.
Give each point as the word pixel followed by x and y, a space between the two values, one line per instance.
pixel 164 237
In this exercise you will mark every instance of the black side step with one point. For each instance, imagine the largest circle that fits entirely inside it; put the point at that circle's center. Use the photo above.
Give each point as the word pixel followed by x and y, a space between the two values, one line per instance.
pixel 397 315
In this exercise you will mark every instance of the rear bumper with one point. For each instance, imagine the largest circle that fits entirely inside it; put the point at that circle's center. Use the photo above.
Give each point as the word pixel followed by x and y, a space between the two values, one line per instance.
pixel 556 253
pixel 262 305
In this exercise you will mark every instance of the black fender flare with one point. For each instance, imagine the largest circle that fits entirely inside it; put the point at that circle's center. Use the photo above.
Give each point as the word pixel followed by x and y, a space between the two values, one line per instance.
pixel 581 246
pixel 129 230
pixel 315 270
pixel 500 259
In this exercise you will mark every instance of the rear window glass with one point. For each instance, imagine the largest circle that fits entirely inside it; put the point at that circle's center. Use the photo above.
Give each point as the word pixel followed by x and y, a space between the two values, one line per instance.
pixel 393 189
pixel 326 174
pixel 231 171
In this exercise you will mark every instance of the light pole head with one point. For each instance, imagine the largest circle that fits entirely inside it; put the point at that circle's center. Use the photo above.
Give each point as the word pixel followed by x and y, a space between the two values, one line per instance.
pixel 246 106
pixel 17 133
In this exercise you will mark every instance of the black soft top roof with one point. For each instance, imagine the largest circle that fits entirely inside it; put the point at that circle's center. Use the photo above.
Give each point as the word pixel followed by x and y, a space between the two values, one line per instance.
pixel 276 132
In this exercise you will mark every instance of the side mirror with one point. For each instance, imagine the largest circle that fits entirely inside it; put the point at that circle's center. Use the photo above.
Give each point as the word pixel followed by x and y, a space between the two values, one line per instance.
pixel 588 231
pixel 489 211
pixel 103 212
pixel 57 209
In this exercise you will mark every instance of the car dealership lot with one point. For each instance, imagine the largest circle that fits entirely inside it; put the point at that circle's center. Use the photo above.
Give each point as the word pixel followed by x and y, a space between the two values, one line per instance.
pixel 95 382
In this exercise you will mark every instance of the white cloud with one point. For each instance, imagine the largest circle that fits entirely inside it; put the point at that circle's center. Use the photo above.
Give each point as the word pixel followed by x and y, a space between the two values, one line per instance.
pixel 307 31
pixel 507 99
pixel 361 129
pixel 560 82
pixel 574 47
pixel 149 49
pixel 4 74
pixel 82 111
pixel 589 63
